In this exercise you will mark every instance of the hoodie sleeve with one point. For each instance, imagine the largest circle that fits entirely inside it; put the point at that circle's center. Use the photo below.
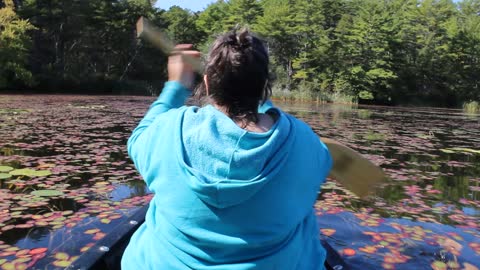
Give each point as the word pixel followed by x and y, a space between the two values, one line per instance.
pixel 325 160
pixel 173 96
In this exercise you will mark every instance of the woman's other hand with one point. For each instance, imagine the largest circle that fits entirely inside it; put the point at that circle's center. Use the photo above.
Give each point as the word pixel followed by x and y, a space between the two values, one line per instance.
pixel 179 68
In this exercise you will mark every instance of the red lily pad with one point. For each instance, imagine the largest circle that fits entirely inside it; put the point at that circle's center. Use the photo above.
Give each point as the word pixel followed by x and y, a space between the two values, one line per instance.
pixel 348 252
pixel 7 253
pixel 37 251
pixel 99 236
pixel 328 232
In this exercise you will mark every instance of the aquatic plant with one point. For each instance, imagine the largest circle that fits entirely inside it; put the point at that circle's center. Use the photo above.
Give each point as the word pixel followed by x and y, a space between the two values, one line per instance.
pixel 374 136
pixel 471 107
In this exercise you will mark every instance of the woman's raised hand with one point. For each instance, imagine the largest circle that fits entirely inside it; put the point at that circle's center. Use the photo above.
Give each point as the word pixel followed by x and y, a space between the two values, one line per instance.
pixel 179 69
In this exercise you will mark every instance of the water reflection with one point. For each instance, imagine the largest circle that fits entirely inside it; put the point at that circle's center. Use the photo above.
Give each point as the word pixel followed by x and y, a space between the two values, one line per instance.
pixel 431 189
pixel 33 235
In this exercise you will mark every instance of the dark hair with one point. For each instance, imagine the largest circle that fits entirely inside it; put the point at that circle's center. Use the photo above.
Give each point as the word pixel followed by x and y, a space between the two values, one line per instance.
pixel 237 69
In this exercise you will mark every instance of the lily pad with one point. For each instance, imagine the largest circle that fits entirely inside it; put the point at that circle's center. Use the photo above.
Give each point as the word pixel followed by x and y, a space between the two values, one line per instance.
pixel 61 256
pixel 5 176
pixel 439 265
pixel 460 150
pixel 37 251
pixel 5 168
pixel 349 252
pixel 92 231
pixel 62 264
pixel 328 232
pixel 105 221
pixel 468 150
pixel 30 173
pixel 47 193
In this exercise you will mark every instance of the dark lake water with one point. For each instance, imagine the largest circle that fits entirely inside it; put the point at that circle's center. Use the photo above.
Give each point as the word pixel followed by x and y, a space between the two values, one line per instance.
pixel 66 181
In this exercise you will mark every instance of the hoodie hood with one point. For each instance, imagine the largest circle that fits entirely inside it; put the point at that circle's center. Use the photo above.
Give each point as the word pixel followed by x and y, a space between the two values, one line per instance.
pixel 227 165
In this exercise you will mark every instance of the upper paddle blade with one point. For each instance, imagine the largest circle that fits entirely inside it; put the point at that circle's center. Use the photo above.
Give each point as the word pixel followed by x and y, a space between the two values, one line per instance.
pixel 154 35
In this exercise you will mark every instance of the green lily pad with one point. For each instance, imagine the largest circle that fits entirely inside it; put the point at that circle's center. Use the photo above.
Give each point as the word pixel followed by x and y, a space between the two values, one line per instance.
pixel 5 176
pixel 468 150
pixel 47 193
pixel 5 168
pixel 61 256
pixel 30 173
pixel 105 220
pixel 62 263
pixel 460 150
pixel 439 265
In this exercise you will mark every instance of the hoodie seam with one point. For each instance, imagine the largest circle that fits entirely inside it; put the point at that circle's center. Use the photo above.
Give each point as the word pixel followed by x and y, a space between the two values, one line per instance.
pixel 233 154
pixel 227 176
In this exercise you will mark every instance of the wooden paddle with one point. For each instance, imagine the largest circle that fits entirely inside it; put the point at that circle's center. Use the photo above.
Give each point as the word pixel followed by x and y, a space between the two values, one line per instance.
pixel 148 31
pixel 351 169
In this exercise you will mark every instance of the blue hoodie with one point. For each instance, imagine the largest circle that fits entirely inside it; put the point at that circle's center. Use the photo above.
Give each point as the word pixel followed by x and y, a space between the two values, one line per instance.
pixel 225 198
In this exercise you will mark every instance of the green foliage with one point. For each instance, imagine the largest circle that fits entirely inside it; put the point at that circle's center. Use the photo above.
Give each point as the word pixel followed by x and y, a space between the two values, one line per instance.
pixel 14 45
pixel 210 21
pixel 471 107
pixel 84 43
pixel 242 12
pixel 181 25
pixel 339 97
pixel 365 95
pixel 391 52
pixel 366 64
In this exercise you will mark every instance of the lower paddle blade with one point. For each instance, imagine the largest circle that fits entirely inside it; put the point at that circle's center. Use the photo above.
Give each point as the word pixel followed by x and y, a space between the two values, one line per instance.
pixel 352 170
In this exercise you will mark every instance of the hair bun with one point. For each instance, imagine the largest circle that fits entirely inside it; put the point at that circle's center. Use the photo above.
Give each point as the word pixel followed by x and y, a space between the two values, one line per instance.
pixel 231 40
pixel 243 38
pixel 238 40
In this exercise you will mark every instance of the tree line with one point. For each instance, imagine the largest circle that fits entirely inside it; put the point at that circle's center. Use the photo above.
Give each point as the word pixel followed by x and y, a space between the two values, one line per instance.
pixel 421 52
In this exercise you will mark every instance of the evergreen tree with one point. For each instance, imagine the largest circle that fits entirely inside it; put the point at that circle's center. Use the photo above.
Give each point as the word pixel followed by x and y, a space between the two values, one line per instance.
pixel 181 25
pixel 242 12
pixel 211 20
pixel 465 51
pixel 277 26
pixel 312 40
pixel 365 57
